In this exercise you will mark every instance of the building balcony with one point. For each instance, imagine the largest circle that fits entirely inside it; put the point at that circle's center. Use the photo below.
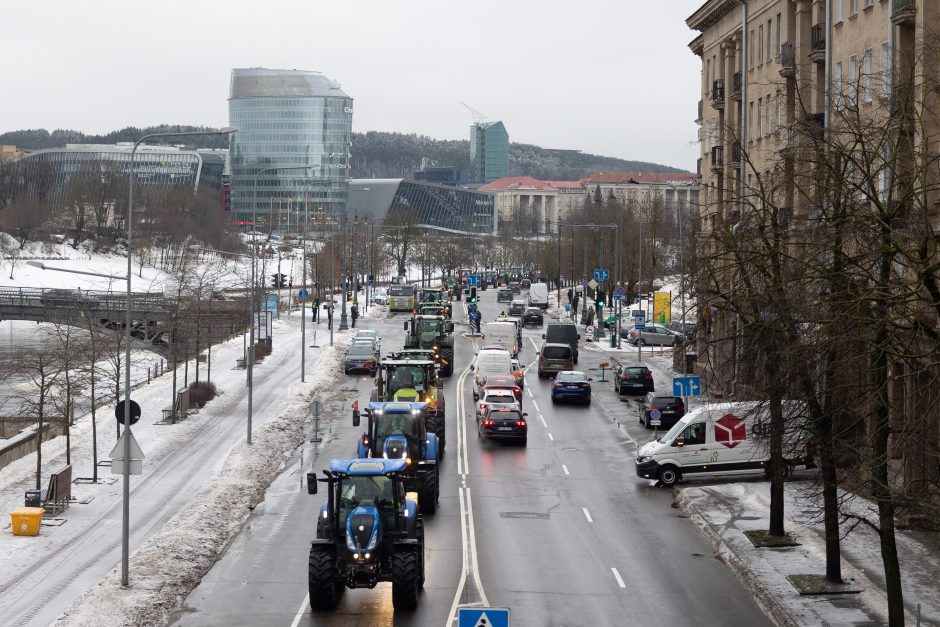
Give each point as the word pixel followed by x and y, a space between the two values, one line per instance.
pixel 818 43
pixel 735 155
pixel 736 82
pixel 698 119
pixel 718 94
pixel 904 13
pixel 787 59
pixel 718 158
pixel 816 126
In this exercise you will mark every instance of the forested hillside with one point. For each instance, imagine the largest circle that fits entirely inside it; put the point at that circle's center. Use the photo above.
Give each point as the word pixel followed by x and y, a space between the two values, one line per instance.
pixel 377 154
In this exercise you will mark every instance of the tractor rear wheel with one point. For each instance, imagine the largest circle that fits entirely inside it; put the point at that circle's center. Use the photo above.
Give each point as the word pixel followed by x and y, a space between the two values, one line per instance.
pixel 405 579
pixel 429 493
pixel 324 586
pixel 419 534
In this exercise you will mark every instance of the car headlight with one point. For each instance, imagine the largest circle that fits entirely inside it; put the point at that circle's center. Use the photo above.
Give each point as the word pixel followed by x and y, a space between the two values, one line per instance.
pixel 642 459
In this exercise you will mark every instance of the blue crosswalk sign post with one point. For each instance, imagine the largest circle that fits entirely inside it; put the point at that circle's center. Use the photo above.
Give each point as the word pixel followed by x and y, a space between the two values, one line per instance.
pixel 687 386
pixel 483 617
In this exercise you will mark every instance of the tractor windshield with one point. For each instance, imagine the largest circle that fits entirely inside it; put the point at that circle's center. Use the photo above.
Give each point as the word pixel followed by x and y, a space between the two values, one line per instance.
pixel 407 381
pixel 397 424
pixel 374 490
pixel 428 326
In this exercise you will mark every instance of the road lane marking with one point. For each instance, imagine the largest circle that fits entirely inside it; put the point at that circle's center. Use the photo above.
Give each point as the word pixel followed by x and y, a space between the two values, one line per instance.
pixel 301 611
pixel 534 345
pixel 535 405
pixel 544 424
pixel 550 436
pixel 565 468
pixel 587 514
pixel 473 550
pixel 618 578
pixel 530 392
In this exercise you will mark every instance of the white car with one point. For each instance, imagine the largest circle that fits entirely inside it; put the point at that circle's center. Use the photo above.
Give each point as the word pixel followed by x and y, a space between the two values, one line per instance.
pixel 380 296
pixel 496 396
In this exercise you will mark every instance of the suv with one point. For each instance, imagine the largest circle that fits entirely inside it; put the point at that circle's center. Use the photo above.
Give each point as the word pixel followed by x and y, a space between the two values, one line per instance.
pixel 563 333
pixel 516 307
pixel 496 397
pixel 504 296
pixel 671 409
pixel 633 379
pixel 504 424
pixel 555 358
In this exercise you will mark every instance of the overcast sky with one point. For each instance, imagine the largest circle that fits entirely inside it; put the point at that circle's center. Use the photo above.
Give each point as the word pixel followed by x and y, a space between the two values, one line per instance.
pixel 610 77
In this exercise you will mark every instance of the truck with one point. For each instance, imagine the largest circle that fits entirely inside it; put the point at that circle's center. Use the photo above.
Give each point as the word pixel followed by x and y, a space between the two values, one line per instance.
pixel 501 334
pixel 432 332
pixel 369 530
pixel 398 430
pixel 413 378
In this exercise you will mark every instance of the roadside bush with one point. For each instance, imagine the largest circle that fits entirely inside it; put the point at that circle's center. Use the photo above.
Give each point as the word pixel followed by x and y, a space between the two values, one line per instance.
pixel 201 392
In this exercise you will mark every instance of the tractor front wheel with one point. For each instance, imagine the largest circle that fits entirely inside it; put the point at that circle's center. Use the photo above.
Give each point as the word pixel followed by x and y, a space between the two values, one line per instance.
pixel 324 586
pixel 405 577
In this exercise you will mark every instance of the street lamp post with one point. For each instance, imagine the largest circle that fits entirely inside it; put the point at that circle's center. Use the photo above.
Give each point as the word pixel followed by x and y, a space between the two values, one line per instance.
pixel 343 320
pixel 125 527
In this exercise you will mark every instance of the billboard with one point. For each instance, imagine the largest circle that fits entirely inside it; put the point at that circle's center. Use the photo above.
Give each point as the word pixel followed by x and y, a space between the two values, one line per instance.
pixel 662 307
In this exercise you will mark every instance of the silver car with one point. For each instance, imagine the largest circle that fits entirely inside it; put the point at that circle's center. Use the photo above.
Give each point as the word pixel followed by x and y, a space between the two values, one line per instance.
pixel 653 335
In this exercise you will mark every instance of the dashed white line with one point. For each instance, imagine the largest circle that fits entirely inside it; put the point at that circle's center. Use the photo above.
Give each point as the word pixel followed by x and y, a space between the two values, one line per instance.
pixel 565 468
pixel 529 390
pixel 535 405
pixel 544 424
pixel 587 514
pixel 550 436
pixel 618 578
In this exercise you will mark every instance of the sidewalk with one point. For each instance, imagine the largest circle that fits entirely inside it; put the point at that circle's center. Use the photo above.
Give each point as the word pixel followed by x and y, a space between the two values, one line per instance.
pixel 725 511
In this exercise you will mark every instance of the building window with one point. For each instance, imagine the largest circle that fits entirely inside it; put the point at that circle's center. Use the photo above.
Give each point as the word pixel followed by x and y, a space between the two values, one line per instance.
pixel 750 50
pixel 750 118
pixel 886 70
pixel 760 44
pixel 837 84
pixel 869 3
pixel 866 76
pixel 777 41
pixel 837 10
pixel 853 8
pixel 769 41
pixel 853 78
pixel 760 114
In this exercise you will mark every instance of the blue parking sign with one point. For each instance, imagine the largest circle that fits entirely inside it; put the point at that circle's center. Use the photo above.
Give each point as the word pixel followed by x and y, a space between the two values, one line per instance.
pixel 483 617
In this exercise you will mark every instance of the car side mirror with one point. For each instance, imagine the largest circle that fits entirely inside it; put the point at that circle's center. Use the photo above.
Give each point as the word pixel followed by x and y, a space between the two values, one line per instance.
pixel 680 443
pixel 356 418
pixel 579 336
pixel 524 414
pixel 311 483
pixel 543 336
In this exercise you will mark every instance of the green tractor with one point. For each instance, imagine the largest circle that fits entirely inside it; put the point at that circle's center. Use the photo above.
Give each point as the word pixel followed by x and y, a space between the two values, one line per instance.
pixel 369 530
pixel 432 296
pixel 434 333
pixel 416 381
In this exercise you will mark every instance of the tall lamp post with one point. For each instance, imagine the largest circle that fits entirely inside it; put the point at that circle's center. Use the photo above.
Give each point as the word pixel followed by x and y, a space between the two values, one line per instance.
pixel 254 281
pixel 125 527
pixel 682 281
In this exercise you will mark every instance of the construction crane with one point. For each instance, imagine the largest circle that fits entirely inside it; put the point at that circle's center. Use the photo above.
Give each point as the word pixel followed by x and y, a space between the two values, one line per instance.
pixel 477 116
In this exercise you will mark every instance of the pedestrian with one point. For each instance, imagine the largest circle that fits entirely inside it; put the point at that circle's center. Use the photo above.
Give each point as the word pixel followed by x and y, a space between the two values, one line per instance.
pixel 570 295
pixel 329 315
pixel 316 311
pixel 354 311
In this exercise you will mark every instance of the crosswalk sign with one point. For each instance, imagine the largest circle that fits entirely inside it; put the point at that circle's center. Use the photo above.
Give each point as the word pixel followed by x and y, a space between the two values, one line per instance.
pixel 483 617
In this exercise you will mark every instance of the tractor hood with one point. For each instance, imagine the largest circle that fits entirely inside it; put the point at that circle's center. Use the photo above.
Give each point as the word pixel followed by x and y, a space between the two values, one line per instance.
pixel 363 529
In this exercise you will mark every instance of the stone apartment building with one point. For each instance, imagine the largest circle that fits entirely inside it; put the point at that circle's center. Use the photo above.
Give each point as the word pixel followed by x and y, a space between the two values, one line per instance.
pixel 776 72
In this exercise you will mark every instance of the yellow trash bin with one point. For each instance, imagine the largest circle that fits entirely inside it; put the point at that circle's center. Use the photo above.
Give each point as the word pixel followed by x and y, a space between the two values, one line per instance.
pixel 26 520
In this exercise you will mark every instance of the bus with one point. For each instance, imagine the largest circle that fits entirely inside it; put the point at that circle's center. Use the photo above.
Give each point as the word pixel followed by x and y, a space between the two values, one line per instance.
pixel 401 297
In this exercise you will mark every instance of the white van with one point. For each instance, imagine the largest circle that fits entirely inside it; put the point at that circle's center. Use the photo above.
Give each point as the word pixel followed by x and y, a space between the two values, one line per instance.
pixel 538 295
pixel 501 334
pixel 721 440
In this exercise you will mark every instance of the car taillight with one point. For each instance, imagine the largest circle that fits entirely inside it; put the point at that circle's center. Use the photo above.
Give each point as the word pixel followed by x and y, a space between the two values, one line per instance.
pixel 487 423
pixel 482 405
pixel 520 423
pixel 648 377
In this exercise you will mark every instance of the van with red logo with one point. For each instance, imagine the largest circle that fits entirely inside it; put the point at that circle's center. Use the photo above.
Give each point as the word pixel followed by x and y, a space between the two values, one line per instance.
pixel 723 440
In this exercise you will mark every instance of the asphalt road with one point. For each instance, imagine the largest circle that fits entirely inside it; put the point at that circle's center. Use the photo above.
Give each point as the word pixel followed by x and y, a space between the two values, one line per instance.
pixel 562 532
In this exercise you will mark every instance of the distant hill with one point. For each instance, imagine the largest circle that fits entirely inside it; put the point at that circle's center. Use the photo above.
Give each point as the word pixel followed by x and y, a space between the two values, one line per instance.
pixel 376 154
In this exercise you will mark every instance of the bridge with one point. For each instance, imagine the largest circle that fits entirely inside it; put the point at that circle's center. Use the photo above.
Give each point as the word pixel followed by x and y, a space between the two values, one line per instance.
pixel 153 316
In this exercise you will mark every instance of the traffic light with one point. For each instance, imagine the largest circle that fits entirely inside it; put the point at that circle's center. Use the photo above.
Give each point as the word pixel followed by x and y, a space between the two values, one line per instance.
pixel 278 280
pixel 473 295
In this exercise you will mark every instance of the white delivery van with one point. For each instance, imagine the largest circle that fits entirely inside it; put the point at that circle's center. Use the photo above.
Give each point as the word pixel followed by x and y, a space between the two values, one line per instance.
pixel 720 440
pixel 489 362
pixel 501 334
pixel 538 295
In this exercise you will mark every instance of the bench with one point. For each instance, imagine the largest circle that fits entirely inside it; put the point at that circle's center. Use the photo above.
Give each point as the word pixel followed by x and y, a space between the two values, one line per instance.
pixel 59 492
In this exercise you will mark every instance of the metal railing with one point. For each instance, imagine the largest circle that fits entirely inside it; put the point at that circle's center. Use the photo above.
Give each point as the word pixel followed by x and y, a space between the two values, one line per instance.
pixel 736 82
pixel 718 156
pixel 718 92
pixel 788 55
pixel 818 38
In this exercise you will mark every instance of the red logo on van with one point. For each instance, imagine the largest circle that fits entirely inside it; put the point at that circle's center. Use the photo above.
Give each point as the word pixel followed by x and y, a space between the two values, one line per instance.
pixel 730 430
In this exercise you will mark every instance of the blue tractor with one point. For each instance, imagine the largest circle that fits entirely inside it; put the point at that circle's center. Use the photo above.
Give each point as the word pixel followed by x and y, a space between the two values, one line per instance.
pixel 369 530
pixel 398 430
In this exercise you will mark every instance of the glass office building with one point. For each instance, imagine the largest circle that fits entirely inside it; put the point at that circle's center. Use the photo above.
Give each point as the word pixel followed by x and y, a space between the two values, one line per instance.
pixel 285 119
pixel 489 152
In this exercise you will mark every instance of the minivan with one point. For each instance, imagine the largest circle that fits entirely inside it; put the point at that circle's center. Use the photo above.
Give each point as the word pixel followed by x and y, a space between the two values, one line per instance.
pixel 555 358
pixel 719 440
pixel 563 333
pixel 538 295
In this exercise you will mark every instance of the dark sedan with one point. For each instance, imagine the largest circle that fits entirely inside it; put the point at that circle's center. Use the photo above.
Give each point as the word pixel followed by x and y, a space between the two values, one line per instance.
pixel 634 379
pixel 359 357
pixel 533 316
pixel 504 424
pixel 571 385
pixel 516 307
pixel 669 409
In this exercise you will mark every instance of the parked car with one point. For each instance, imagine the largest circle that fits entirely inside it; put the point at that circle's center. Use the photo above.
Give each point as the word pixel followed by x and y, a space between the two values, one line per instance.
pixel 516 307
pixel 492 397
pixel 555 358
pixel 633 379
pixel 533 316
pixel 504 295
pixel 380 296
pixel 671 409
pixel 571 385
pixel 359 357
pixel 504 424
pixel 683 328
pixel 652 335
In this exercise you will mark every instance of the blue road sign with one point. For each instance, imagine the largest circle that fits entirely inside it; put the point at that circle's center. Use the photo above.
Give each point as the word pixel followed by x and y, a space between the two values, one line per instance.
pixel 618 297
pixel 655 417
pixel 303 293
pixel 687 386
pixel 584 282
pixel 474 280
pixel 483 617
pixel 601 275
pixel 639 320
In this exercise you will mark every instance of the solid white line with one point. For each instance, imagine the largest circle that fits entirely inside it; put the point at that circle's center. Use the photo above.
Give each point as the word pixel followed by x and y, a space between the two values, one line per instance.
pixel 587 514
pixel 535 405
pixel 544 424
pixel 565 468
pixel 473 549
pixel 618 578
pixel 301 611
pixel 463 570
pixel 550 436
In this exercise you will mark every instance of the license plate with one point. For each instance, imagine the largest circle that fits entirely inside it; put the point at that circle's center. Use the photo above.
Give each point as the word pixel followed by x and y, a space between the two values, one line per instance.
pixel 572 387
pixel 504 428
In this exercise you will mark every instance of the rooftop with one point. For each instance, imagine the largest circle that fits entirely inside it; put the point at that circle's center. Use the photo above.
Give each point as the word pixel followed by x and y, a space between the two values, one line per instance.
pixel 259 82
pixel 639 177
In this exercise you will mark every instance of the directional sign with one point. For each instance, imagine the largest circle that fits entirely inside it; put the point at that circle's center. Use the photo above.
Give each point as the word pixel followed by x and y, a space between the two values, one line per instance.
pixel 303 293
pixel 474 280
pixel 639 320
pixel 601 275
pixel 687 386
pixel 483 617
